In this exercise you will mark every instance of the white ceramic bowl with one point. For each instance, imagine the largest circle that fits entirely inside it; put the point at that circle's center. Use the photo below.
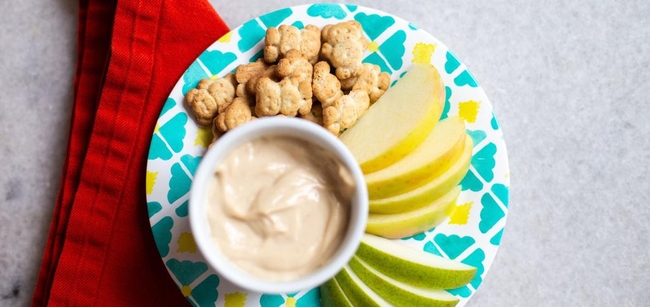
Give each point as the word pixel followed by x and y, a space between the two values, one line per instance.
pixel 293 127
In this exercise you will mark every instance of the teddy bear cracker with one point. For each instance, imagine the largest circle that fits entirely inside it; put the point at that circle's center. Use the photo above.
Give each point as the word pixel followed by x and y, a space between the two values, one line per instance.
pixel 291 81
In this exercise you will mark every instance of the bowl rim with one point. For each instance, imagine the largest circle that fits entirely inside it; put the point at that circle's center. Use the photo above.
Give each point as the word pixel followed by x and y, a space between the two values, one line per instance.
pixel 292 127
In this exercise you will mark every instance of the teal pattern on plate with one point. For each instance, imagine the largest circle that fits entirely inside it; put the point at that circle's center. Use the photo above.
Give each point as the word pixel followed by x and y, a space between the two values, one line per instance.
pixel 273 19
pixel 311 298
pixel 168 138
pixel 374 25
pixel 471 236
pixel 326 11
pixel 182 173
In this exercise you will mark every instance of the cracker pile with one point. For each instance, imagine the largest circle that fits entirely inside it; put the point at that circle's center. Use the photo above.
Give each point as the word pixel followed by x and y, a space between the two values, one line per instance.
pixel 310 73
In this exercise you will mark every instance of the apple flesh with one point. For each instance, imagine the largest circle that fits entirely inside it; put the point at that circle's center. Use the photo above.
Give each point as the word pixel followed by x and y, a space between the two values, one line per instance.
pixel 436 154
pixel 430 191
pixel 400 225
pixel 399 293
pixel 413 105
pixel 411 266
pixel 332 295
pixel 358 292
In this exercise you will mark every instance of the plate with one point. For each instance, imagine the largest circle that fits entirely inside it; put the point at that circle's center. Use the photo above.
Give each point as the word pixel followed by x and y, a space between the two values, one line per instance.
pixel 471 235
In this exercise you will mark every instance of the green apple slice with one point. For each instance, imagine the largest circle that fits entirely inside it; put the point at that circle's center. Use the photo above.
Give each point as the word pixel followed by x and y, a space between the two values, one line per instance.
pixel 430 191
pixel 399 121
pixel 412 266
pixel 358 292
pixel 400 225
pixel 332 295
pixel 399 293
pixel 436 154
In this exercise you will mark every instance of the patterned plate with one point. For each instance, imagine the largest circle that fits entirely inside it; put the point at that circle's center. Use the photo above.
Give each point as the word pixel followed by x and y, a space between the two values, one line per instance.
pixel 472 233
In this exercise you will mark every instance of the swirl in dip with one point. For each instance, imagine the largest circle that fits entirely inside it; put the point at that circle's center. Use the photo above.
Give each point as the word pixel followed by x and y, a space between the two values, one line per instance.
pixel 279 206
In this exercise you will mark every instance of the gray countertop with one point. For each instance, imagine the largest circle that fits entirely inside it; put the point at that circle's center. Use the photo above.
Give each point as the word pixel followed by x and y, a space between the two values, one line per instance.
pixel 568 82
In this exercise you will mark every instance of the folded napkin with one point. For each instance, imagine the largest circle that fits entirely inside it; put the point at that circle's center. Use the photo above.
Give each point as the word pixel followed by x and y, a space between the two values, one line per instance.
pixel 100 250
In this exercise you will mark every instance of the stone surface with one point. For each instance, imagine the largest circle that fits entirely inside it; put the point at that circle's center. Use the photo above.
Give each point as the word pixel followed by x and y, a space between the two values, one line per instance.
pixel 568 84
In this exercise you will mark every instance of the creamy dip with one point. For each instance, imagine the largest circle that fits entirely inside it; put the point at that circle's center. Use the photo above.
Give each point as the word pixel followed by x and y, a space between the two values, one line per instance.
pixel 278 207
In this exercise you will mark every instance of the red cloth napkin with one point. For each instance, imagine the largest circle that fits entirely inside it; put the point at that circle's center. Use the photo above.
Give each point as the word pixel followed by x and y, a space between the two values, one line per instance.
pixel 100 250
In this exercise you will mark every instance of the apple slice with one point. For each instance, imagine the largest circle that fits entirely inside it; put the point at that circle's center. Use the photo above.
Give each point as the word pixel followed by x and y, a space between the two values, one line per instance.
pixel 332 295
pixel 400 225
pixel 399 121
pixel 356 291
pixel 400 293
pixel 430 191
pixel 436 154
pixel 414 267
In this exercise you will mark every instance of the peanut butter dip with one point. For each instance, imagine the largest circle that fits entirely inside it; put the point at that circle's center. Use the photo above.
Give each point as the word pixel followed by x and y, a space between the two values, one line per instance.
pixel 279 206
